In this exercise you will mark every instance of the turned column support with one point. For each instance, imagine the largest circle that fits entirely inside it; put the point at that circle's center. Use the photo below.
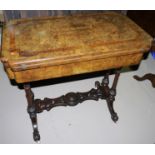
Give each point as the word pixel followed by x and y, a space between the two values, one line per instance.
pixel 31 109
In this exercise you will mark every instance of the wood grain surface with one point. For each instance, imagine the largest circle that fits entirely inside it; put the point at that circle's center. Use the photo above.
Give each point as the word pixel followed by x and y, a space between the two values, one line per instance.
pixel 47 47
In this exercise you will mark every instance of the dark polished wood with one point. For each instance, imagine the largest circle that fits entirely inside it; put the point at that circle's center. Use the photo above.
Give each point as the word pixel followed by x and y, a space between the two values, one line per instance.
pixel 31 109
pixel 102 91
pixel 145 19
pixel 149 76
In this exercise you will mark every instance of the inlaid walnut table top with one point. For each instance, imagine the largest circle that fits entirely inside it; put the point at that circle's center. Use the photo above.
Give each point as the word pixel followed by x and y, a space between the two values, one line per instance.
pixel 42 48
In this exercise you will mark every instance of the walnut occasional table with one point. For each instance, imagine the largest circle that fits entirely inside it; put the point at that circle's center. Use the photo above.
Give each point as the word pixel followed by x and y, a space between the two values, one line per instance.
pixel 50 47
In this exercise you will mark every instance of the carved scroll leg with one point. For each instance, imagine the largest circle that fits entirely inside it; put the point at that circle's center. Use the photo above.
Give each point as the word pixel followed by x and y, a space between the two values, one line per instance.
pixel 32 111
pixel 148 76
pixel 117 74
pixel 110 94
pixel 110 100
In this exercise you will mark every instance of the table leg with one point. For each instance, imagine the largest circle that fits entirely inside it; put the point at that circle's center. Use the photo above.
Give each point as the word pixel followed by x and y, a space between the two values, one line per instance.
pixel 102 91
pixel 148 76
pixel 32 111
pixel 110 94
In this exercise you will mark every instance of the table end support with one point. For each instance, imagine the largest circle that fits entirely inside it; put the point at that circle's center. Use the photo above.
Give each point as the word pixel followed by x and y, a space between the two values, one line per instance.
pixel 102 91
pixel 31 109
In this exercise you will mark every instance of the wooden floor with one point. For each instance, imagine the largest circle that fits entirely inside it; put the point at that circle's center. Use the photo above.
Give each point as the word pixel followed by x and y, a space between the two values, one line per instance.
pixel 88 122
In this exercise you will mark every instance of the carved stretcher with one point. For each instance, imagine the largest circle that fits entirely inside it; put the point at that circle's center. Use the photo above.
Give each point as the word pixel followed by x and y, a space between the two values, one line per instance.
pixel 50 47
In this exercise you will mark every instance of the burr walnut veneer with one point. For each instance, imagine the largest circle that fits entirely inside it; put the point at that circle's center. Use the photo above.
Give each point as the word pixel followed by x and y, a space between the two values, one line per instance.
pixel 49 47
